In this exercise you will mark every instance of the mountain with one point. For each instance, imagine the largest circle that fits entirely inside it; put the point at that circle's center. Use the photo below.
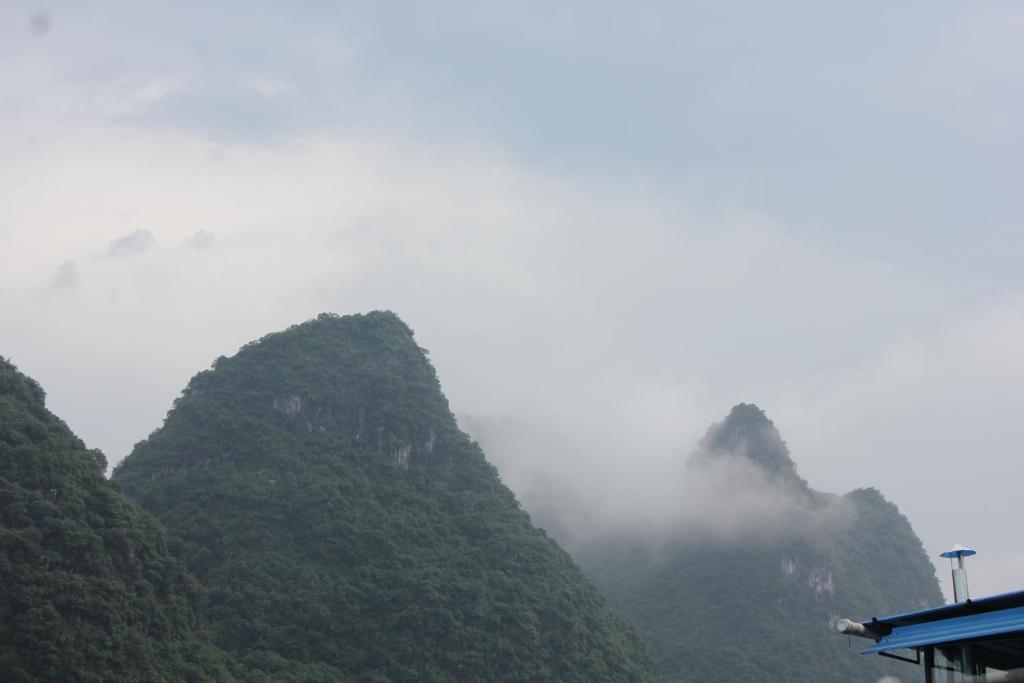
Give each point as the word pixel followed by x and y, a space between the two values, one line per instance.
pixel 346 529
pixel 757 599
pixel 89 589
pixel 747 433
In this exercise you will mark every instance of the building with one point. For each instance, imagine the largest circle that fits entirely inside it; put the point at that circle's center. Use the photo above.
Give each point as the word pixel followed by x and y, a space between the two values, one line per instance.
pixel 967 641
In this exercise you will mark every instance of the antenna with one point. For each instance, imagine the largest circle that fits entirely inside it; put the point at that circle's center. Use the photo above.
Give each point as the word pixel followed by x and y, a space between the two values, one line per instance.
pixel 958 553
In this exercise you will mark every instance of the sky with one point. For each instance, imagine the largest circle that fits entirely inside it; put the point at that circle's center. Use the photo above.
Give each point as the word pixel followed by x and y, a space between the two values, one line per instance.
pixel 608 224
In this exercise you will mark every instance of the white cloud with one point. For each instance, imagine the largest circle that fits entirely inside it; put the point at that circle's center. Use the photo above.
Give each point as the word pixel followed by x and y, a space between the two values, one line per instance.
pixel 65 278
pixel 201 240
pixel 135 242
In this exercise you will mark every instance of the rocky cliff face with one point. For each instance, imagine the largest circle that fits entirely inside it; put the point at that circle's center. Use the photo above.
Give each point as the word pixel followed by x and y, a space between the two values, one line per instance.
pixel 345 527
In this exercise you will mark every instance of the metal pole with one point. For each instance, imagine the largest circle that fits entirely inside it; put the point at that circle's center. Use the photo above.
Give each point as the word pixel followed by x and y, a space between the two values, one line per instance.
pixel 966 665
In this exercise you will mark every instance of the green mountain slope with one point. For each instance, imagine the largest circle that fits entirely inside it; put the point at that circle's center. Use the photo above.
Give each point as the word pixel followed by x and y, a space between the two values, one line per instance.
pixel 759 603
pixel 88 588
pixel 346 529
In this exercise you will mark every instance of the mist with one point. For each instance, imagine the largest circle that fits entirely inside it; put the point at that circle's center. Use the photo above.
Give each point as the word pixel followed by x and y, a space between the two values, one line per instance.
pixel 608 484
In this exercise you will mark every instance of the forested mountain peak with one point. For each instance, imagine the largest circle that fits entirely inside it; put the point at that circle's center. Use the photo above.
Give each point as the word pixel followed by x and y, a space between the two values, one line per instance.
pixel 748 433
pixel 345 527
pixel 89 590
pixel 358 378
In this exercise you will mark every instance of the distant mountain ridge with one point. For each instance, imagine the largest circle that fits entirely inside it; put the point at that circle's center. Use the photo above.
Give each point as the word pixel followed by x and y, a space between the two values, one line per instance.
pixel 345 527
pixel 748 433
pixel 759 604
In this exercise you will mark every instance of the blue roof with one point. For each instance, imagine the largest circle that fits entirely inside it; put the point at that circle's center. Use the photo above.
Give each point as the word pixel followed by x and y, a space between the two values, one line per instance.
pixel 996 615
pixel 957 629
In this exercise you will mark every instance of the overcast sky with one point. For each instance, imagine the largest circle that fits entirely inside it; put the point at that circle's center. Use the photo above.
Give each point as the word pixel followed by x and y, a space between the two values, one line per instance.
pixel 610 222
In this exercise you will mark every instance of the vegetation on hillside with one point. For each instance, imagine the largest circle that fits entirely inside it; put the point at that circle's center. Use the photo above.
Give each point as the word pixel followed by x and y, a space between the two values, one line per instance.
pixel 345 527
pixel 89 590
pixel 331 522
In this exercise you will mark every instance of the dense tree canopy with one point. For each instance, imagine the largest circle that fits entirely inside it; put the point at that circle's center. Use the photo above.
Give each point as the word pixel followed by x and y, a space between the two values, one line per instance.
pixel 89 590
pixel 344 526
